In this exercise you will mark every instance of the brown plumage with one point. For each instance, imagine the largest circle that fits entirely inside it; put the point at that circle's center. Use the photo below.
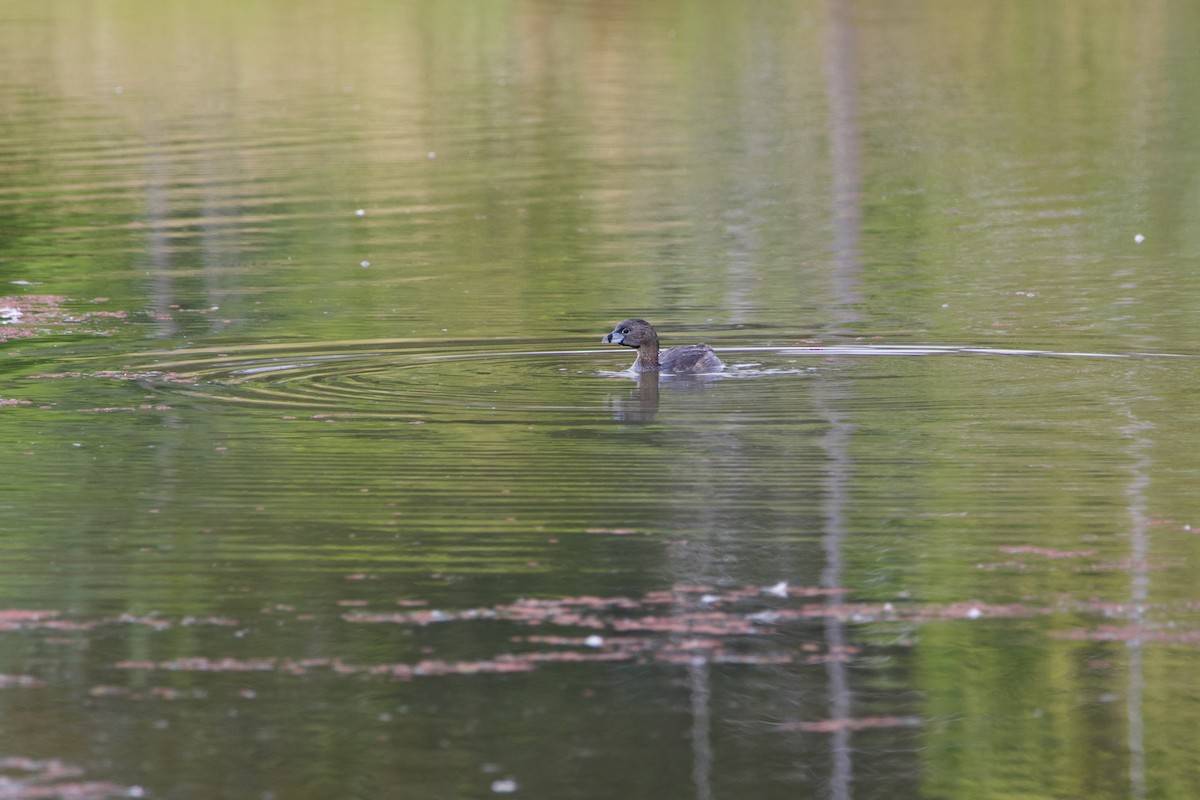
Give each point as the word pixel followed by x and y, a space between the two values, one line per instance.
pixel 638 334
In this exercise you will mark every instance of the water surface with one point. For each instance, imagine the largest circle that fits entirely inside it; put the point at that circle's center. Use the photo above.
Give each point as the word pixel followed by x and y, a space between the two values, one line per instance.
pixel 320 485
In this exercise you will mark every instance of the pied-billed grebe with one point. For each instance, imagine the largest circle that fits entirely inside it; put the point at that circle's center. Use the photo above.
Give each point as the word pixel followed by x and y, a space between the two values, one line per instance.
pixel 638 334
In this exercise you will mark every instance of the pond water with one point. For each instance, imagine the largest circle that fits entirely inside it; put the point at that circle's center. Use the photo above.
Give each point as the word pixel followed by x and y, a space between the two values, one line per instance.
pixel 319 482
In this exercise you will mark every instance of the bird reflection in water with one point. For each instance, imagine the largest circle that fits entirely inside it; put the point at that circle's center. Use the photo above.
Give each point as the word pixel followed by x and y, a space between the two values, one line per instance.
pixel 641 404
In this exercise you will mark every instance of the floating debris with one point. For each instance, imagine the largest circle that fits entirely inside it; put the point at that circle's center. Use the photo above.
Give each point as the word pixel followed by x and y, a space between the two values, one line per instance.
pixel 850 724
pixel 19 682
pixel 682 625
pixel 25 316
pixel 27 778
pixel 778 590
pixel 1047 552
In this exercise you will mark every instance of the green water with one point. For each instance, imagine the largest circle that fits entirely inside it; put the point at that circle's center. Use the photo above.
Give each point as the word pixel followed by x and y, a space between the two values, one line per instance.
pixel 318 482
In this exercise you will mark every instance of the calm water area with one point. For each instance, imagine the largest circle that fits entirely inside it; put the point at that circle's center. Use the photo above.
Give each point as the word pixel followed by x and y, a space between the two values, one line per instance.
pixel 318 482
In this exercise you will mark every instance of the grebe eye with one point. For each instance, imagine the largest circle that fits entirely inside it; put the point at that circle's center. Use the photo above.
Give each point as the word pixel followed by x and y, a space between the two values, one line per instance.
pixel 624 330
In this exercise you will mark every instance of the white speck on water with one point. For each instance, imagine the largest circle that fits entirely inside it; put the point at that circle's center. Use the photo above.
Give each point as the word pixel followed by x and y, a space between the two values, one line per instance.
pixel 1138 239
pixel 362 212
pixel 594 641
pixel 26 283
pixel 431 155
pixel 708 599
pixel 778 590
pixel 945 305
pixel 364 264
pixel 505 786
pixel 974 613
